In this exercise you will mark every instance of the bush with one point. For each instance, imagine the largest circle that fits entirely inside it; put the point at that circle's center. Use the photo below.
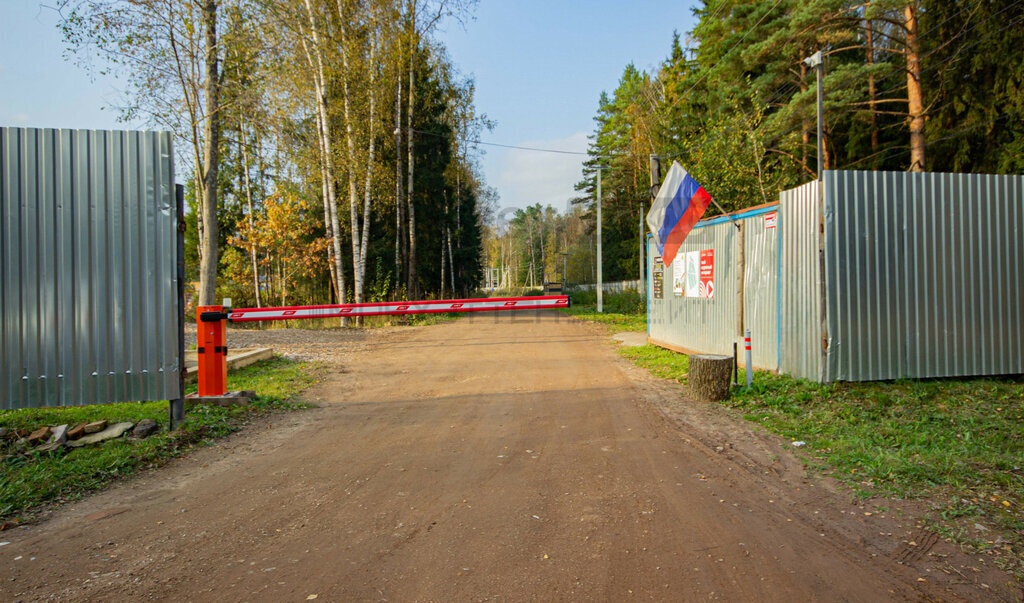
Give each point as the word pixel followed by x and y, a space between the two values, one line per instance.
pixel 626 302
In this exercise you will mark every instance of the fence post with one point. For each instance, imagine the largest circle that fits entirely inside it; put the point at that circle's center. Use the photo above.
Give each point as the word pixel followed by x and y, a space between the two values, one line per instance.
pixel 750 364
pixel 177 406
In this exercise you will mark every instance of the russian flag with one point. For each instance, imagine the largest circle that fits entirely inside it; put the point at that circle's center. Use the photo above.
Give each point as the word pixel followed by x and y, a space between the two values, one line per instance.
pixel 679 205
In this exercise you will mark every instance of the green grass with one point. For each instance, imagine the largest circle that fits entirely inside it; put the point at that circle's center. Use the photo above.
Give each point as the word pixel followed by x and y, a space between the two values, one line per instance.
pixel 661 362
pixel 957 443
pixel 29 480
pixel 625 311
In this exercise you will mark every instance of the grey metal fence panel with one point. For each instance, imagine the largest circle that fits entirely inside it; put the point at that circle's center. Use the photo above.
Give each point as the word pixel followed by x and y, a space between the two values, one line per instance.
pixel 801 321
pixel 924 275
pixel 88 282
pixel 761 288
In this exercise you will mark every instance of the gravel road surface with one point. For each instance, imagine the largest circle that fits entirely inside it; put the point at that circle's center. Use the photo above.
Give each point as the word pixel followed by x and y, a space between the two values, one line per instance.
pixel 513 458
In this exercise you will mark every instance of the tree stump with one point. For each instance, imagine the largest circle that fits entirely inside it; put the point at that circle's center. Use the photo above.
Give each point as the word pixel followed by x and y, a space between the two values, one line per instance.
pixel 711 375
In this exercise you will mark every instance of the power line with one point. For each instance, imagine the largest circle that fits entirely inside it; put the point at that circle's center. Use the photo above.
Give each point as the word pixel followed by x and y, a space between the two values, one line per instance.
pixel 510 146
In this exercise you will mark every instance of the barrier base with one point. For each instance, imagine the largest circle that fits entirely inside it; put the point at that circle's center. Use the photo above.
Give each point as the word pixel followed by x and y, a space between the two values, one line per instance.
pixel 239 398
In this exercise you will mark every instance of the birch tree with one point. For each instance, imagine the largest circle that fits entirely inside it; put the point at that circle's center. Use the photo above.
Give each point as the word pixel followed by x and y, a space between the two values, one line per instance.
pixel 170 55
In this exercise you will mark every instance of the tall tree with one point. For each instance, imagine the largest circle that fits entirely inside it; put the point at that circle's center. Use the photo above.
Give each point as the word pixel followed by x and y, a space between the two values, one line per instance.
pixel 169 52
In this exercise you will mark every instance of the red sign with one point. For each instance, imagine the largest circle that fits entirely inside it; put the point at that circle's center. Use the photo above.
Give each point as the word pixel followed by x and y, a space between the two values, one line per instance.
pixel 707 273
pixel 771 220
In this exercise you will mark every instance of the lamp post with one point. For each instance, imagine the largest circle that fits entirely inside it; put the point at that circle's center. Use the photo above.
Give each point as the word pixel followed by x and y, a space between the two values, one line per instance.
pixel 817 62
pixel 600 278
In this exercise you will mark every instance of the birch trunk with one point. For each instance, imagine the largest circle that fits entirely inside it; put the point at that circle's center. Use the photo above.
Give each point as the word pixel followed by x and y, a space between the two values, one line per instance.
pixel 248 202
pixel 350 144
pixel 451 263
pixel 399 198
pixel 211 162
pixel 325 136
pixel 371 155
pixel 324 179
pixel 442 267
pixel 412 287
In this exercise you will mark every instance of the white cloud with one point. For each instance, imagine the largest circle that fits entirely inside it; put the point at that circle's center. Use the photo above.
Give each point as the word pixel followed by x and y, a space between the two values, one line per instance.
pixel 524 178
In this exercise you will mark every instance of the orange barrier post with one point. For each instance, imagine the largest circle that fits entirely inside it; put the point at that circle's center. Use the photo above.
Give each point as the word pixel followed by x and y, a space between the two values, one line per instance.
pixel 212 350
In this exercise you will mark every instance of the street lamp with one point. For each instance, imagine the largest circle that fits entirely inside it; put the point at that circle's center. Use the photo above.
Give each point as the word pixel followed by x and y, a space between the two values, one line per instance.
pixel 600 278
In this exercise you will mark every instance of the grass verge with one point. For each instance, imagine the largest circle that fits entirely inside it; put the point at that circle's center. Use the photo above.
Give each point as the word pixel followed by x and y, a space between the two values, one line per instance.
pixel 956 443
pixel 32 479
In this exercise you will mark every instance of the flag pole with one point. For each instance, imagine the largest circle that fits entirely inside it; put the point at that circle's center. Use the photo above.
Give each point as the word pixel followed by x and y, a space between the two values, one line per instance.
pixel 726 214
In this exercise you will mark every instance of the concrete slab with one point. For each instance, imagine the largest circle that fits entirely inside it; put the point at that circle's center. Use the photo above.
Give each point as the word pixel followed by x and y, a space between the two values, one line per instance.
pixel 239 398
pixel 631 339
pixel 236 358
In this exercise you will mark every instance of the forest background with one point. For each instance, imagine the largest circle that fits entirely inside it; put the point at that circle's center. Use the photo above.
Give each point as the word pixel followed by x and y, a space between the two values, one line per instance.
pixel 331 146
pixel 929 85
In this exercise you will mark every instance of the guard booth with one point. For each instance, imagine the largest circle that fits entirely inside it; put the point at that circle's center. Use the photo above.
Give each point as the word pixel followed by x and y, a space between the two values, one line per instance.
pixel 861 276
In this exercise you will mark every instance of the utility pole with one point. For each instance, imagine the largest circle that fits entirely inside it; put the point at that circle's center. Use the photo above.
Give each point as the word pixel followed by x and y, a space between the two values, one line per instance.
pixel 600 278
pixel 817 62
pixel 655 183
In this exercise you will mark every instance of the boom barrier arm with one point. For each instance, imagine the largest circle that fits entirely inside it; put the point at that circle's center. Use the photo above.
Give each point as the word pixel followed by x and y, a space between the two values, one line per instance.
pixel 211 322
pixel 491 304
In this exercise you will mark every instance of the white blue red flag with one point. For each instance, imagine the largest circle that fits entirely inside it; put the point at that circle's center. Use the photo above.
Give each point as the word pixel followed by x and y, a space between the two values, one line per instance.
pixel 680 203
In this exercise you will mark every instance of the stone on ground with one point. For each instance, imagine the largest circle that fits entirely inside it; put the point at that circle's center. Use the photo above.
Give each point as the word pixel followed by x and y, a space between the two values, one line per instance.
pixel 145 428
pixel 95 426
pixel 76 432
pixel 114 431
pixel 58 435
pixel 39 436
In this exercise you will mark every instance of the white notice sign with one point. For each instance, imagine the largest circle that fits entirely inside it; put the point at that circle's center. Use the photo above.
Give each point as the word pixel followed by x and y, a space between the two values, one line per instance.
pixel 678 274
pixel 693 274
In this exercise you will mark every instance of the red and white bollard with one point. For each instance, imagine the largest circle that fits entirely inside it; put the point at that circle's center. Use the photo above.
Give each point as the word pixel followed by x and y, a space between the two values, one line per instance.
pixel 750 367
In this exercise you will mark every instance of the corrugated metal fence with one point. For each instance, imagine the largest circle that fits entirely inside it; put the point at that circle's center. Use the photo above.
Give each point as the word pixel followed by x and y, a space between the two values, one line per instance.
pixel 88 281
pixel 800 270
pixel 881 275
pixel 923 275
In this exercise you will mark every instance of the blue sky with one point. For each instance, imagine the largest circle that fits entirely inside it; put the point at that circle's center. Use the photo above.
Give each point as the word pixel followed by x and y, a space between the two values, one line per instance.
pixel 539 65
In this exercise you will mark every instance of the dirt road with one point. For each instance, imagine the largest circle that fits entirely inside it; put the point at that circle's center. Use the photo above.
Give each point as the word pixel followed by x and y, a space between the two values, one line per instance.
pixel 487 458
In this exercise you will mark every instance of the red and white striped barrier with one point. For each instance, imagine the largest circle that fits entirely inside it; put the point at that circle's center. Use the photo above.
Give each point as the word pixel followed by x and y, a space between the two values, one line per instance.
pixel 491 304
